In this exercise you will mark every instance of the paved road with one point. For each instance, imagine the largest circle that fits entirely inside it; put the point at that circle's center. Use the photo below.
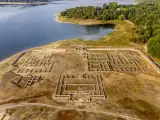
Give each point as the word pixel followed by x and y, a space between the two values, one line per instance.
pixel 58 108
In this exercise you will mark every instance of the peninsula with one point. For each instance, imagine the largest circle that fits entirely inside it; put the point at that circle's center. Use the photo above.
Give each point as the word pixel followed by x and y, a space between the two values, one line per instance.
pixel 114 78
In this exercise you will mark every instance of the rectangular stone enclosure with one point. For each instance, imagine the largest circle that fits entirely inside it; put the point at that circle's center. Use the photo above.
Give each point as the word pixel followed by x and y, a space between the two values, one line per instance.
pixel 84 87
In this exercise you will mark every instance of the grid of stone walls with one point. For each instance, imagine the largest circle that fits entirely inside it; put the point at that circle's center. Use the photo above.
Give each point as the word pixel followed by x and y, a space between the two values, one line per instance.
pixel 34 64
pixel 123 61
pixel 26 81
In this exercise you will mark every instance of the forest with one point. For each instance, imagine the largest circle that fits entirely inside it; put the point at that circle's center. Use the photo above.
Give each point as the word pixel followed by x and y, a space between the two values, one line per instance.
pixel 145 15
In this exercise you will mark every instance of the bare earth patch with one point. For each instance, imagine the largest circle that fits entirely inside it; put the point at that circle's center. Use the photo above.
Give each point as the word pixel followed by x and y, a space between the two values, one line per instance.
pixel 84 83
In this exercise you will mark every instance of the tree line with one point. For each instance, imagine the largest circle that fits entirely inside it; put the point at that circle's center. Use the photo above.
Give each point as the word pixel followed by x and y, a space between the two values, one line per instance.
pixel 107 12
pixel 145 15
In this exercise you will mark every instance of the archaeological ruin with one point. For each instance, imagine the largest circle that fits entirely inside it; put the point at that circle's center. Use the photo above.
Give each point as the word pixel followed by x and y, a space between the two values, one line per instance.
pixel 121 61
pixel 82 87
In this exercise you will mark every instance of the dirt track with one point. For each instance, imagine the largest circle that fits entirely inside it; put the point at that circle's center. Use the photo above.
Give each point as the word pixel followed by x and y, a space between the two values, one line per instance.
pixel 59 108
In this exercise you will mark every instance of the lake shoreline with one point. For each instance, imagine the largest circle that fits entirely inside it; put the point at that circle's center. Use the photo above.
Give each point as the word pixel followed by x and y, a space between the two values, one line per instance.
pixel 77 41
pixel 62 19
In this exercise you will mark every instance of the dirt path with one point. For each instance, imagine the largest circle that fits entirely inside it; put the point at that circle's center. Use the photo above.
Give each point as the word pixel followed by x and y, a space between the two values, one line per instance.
pixel 59 108
pixel 145 48
pixel 130 23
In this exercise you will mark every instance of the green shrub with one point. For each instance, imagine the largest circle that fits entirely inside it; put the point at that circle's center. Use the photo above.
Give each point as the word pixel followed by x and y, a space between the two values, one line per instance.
pixel 153 46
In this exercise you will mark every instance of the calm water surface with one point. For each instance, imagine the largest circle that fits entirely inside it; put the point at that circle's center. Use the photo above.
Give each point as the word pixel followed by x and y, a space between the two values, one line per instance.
pixel 23 27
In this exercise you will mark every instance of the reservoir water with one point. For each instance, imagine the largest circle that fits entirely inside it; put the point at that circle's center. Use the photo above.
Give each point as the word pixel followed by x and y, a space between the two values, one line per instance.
pixel 23 27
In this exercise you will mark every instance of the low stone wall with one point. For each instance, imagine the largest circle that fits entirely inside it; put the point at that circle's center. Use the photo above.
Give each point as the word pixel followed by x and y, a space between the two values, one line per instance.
pixel 16 60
